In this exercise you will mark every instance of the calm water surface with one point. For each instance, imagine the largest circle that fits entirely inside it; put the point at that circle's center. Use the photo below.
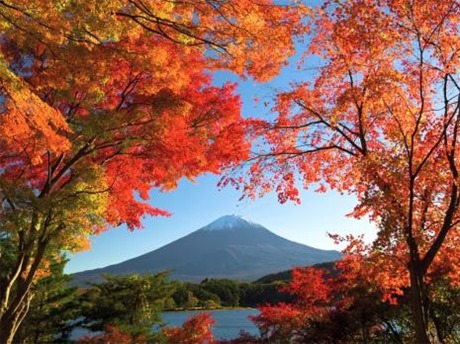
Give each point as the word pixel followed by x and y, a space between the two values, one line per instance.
pixel 228 325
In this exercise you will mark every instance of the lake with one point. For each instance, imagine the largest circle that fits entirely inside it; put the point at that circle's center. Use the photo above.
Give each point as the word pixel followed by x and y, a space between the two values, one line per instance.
pixel 229 322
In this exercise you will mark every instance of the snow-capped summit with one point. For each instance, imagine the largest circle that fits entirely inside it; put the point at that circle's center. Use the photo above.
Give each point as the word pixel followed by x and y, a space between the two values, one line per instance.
pixel 230 222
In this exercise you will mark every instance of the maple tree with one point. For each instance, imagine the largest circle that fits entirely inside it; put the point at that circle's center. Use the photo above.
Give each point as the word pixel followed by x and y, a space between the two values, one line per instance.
pixel 329 307
pixel 195 330
pixel 380 120
pixel 112 334
pixel 356 300
pixel 102 100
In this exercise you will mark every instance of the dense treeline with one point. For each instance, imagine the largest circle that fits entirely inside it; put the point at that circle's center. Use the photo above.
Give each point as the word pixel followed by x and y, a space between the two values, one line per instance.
pixel 286 276
pixel 216 293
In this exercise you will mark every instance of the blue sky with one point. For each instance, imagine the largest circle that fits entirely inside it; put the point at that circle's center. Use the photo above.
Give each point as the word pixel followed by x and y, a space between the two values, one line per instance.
pixel 194 205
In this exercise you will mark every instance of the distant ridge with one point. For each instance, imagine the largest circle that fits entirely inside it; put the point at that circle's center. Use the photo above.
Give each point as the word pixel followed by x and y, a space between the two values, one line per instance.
pixel 286 276
pixel 229 247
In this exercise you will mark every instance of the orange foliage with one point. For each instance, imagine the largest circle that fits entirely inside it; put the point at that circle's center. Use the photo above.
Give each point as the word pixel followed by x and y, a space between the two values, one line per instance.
pixel 112 335
pixel 379 120
pixel 136 108
pixel 195 330
pixel 101 101
pixel 332 305
pixel 376 121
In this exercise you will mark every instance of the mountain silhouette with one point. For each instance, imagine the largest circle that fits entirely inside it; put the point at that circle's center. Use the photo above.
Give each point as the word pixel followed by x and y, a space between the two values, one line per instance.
pixel 230 247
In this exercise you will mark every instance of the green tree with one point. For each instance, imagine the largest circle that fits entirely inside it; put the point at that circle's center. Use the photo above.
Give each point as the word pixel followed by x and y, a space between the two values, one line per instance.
pixel 445 310
pixel 227 290
pixel 192 300
pixel 169 304
pixel 257 294
pixel 180 295
pixel 132 304
pixel 204 296
pixel 52 310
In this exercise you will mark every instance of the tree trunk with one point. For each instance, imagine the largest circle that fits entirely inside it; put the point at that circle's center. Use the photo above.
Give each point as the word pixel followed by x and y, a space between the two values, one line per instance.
pixel 419 301
pixel 15 298
pixel 10 321
pixel 6 335
pixel 7 331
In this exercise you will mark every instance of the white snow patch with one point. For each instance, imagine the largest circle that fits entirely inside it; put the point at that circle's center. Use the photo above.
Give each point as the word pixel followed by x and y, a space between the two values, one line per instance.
pixel 229 222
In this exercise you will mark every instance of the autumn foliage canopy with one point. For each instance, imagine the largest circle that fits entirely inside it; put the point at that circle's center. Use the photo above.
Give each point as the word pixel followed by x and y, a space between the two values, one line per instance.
pixel 380 120
pixel 101 101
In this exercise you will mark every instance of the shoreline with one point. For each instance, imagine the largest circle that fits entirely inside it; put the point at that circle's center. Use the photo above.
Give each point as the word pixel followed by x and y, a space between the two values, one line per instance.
pixel 207 309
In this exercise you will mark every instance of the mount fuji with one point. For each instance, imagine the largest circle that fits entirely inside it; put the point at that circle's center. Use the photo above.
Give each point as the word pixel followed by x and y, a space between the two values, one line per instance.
pixel 230 247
